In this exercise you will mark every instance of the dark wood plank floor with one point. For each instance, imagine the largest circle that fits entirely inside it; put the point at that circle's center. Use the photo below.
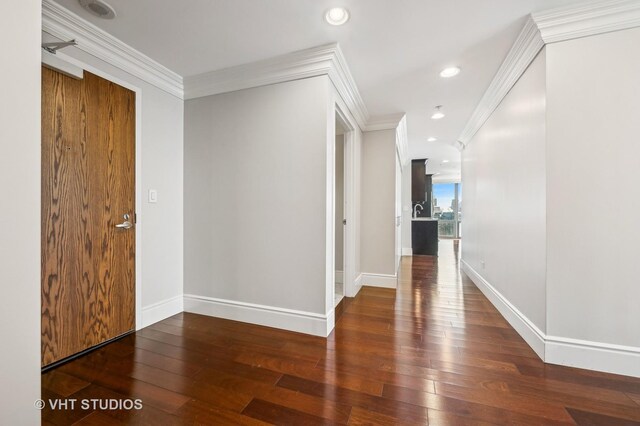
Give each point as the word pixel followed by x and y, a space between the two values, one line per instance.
pixel 433 352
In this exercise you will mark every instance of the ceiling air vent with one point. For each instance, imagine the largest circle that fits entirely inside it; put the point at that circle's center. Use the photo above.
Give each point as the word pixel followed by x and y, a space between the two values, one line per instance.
pixel 98 8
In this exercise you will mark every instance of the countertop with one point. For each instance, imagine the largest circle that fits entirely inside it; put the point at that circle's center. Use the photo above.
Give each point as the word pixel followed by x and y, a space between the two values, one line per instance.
pixel 424 219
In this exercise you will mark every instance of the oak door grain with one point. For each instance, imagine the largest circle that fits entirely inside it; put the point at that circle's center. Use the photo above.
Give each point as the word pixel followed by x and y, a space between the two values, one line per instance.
pixel 88 184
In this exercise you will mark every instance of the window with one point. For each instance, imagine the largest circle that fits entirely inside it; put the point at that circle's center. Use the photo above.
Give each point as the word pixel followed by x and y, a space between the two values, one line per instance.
pixel 446 208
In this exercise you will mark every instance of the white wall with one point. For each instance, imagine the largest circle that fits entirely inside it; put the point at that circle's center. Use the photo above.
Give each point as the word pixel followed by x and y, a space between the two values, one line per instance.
pixel 503 179
pixel 255 203
pixel 162 169
pixel 339 252
pixel 550 196
pixel 593 189
pixel 20 214
pixel 378 198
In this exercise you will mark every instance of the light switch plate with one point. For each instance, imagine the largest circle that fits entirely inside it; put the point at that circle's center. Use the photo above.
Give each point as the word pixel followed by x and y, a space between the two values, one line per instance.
pixel 153 196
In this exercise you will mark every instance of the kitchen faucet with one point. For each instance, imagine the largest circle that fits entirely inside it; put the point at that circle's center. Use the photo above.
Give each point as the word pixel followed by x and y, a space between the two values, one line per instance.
pixel 415 210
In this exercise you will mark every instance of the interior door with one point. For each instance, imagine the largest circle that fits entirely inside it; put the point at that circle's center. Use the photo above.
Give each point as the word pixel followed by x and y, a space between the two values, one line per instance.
pixel 88 201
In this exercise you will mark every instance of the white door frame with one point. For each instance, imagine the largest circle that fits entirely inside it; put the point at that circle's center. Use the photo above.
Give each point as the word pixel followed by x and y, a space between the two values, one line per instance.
pixel 138 175
pixel 348 260
pixel 398 210
pixel 336 108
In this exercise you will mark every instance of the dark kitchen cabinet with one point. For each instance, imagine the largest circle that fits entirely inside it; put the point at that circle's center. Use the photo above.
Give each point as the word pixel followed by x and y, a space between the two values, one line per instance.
pixel 421 187
pixel 418 181
pixel 424 237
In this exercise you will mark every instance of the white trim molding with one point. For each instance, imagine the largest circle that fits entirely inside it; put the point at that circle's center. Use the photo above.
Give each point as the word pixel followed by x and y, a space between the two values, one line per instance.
pixel 316 61
pixel 407 251
pixel 402 141
pixel 616 359
pixel 66 25
pixel 525 327
pixel 522 53
pixel 55 63
pixel 610 358
pixel 379 280
pixel 555 25
pixel 330 323
pixel 270 316
pixel 384 122
pixel 339 277
pixel 590 18
pixel 164 309
pixel 357 284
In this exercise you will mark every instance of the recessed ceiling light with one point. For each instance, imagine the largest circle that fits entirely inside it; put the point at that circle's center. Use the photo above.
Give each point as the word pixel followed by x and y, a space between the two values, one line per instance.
pixel 432 139
pixel 445 161
pixel 336 16
pixel 438 114
pixel 98 8
pixel 450 72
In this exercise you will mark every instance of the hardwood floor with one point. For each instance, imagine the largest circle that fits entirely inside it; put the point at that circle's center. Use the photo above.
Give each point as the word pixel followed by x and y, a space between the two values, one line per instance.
pixel 435 351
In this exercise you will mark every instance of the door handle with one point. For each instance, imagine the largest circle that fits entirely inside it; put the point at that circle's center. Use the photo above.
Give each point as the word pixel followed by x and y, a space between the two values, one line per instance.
pixel 126 224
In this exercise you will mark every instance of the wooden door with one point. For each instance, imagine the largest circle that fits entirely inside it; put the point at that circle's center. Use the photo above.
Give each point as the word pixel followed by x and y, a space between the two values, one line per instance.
pixel 88 185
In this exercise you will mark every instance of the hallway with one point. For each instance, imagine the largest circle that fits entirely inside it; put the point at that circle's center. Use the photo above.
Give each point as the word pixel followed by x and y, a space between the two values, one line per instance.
pixel 434 351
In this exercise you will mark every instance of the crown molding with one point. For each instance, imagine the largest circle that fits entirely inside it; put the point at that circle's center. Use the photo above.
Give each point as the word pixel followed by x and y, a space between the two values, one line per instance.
pixel 384 122
pixel 457 145
pixel 342 79
pixel 522 53
pixel 292 66
pixel 322 60
pixel 588 19
pixel 402 141
pixel 541 28
pixel 65 25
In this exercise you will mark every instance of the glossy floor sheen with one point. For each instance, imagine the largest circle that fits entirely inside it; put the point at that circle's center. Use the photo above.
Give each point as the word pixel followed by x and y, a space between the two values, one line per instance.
pixel 435 351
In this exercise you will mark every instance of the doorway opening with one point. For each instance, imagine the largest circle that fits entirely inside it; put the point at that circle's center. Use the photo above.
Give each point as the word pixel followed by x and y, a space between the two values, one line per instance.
pixel 342 283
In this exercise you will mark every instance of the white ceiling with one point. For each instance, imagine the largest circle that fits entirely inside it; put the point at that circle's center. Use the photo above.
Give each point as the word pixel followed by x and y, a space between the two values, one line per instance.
pixel 395 49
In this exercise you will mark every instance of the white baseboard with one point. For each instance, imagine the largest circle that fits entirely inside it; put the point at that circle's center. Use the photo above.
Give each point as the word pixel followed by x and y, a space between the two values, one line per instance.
pixel 339 277
pixel 358 285
pixel 527 329
pixel 379 280
pixel 597 356
pixel 331 322
pixel 270 316
pixel 407 251
pixel 161 310
pixel 565 351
